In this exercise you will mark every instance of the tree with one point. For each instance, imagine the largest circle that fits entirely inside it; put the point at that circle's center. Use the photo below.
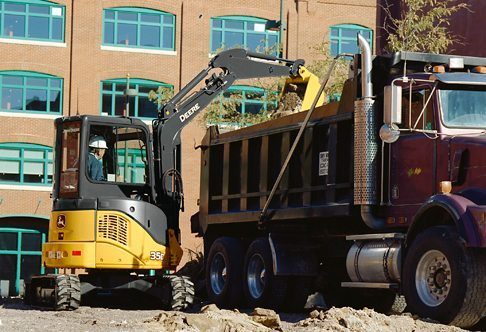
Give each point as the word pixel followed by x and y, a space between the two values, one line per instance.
pixel 161 95
pixel 423 26
pixel 321 60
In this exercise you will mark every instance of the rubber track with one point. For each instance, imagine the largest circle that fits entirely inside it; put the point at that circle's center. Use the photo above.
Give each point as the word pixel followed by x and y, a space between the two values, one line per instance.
pixel 474 305
pixel 182 292
pixel 68 292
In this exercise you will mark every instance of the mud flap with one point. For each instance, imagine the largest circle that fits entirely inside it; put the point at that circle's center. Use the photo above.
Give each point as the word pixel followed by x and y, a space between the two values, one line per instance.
pixel 292 256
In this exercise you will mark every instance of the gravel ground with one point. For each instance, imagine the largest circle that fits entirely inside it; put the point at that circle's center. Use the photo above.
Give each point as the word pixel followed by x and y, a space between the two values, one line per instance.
pixel 15 316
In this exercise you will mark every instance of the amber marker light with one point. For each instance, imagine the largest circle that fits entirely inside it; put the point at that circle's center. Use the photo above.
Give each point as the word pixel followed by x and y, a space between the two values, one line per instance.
pixel 445 187
pixel 438 69
pixel 479 70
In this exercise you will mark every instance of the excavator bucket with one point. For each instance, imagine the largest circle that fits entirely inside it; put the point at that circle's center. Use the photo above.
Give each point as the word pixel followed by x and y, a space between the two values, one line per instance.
pixel 300 91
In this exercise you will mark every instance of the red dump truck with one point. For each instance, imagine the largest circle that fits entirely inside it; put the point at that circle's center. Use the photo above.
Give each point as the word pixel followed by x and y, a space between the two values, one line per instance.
pixel 384 194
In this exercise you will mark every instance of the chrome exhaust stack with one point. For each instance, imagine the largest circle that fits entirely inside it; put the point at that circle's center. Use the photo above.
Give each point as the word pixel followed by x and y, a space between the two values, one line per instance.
pixel 366 143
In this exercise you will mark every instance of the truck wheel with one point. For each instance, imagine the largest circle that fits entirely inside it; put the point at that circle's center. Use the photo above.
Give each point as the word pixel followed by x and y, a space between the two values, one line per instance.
pixel 224 269
pixel 261 287
pixel 444 280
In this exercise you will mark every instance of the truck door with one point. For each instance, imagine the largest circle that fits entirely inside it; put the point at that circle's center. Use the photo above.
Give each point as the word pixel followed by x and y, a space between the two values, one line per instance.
pixel 412 162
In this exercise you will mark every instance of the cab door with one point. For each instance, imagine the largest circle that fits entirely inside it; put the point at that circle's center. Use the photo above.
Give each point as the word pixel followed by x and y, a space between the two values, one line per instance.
pixel 413 161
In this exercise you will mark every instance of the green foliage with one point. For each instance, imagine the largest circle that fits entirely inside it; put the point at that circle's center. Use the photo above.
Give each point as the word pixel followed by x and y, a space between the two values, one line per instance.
pixel 319 66
pixel 423 26
pixel 161 95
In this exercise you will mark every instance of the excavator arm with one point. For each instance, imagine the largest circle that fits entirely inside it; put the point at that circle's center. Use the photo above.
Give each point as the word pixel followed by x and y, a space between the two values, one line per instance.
pixel 234 64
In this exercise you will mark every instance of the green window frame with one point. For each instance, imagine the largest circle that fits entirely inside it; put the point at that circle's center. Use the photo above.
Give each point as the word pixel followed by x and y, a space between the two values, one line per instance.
pixel 26 164
pixel 135 27
pixel 343 38
pixel 245 32
pixel 18 249
pixel 32 20
pixel 249 99
pixel 132 159
pixel 30 92
pixel 113 101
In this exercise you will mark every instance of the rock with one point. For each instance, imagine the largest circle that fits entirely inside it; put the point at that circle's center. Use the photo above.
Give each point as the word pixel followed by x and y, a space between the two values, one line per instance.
pixel 266 317
pixel 314 314
pixel 200 322
pixel 315 300
pixel 210 307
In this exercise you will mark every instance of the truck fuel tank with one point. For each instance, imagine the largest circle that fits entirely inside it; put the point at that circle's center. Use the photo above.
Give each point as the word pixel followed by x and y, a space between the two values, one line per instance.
pixel 375 260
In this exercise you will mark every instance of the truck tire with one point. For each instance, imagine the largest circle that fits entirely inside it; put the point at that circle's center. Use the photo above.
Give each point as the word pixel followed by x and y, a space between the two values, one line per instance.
pixel 261 287
pixel 444 280
pixel 224 270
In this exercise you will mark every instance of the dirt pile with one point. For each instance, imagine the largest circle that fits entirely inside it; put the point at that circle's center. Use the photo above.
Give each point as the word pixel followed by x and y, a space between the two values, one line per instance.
pixel 349 319
pixel 335 319
pixel 213 319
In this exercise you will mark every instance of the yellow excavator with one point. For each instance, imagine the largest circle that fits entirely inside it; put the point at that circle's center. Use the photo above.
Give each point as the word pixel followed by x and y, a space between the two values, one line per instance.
pixel 118 191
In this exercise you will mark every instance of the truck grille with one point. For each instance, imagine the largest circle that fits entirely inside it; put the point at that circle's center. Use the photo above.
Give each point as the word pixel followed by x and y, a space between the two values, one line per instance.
pixel 113 227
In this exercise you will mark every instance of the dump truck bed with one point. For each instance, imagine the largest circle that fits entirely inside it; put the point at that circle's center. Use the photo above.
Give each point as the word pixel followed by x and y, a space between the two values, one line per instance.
pixel 239 168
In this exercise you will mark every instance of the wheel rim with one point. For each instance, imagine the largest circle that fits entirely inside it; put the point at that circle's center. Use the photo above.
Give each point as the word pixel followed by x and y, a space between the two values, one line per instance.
pixel 433 278
pixel 217 273
pixel 256 276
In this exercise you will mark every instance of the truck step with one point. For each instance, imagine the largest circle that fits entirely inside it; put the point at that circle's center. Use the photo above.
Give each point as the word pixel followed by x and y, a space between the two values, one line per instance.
pixel 382 236
pixel 381 285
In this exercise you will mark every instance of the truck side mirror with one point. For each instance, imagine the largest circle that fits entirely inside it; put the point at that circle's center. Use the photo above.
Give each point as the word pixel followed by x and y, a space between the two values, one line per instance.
pixel 392 104
pixel 392 113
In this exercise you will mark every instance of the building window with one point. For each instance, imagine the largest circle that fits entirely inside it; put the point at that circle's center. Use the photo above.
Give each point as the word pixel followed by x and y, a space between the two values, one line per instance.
pixel 113 100
pixel 20 256
pixel 244 32
pixel 133 161
pixel 139 28
pixel 30 92
pixel 344 38
pixel 22 163
pixel 32 20
pixel 249 100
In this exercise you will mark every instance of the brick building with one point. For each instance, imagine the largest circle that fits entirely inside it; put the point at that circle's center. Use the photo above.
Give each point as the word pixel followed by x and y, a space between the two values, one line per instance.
pixel 63 58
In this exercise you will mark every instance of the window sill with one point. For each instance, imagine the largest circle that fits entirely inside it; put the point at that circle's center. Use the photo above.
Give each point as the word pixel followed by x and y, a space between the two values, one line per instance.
pixel 136 50
pixel 32 42
pixel 23 187
pixel 30 115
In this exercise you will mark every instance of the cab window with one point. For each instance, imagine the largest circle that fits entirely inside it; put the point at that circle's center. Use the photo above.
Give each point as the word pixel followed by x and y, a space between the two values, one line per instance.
pixel 117 154
pixel 412 107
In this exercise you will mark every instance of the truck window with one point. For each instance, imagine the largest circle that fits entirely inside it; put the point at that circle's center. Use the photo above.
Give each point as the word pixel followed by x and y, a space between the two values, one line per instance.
pixel 463 107
pixel 411 109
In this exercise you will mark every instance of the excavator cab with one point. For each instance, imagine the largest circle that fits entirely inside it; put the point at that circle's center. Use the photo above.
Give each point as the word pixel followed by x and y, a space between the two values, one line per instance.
pixel 122 172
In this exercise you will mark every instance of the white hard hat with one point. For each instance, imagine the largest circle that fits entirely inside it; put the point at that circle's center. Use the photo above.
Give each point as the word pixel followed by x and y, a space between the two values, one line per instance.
pixel 97 142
